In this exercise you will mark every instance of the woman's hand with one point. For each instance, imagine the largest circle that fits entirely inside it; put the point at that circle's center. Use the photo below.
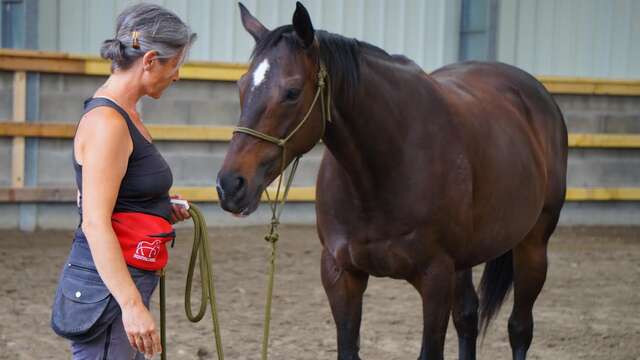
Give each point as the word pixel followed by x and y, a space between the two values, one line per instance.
pixel 178 212
pixel 141 329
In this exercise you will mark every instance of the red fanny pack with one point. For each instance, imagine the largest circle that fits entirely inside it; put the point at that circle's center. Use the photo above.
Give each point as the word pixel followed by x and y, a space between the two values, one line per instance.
pixel 143 239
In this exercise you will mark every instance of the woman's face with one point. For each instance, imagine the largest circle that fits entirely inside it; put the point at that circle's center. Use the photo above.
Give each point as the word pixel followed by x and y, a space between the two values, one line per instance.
pixel 158 74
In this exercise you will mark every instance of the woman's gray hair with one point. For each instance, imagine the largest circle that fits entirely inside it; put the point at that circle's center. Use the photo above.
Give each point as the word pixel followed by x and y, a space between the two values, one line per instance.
pixel 145 27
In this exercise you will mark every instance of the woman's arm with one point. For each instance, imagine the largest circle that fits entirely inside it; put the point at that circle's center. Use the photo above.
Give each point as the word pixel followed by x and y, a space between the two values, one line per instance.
pixel 104 149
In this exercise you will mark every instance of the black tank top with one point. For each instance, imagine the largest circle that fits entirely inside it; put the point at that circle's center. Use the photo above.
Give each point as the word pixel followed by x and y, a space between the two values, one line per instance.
pixel 146 183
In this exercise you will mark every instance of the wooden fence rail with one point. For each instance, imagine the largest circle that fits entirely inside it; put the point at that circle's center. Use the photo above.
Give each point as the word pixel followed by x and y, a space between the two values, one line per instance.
pixel 296 194
pixel 224 133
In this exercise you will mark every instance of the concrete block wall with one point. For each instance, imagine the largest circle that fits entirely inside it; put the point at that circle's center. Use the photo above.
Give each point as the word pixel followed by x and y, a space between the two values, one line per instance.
pixel 602 167
pixel 6 94
pixel 5 162
pixel 6 113
pixel 216 103
pixel 601 114
pixel 194 103
pixel 9 213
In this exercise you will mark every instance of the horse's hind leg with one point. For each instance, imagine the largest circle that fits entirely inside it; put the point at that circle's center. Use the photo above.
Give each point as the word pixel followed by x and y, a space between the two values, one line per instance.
pixel 530 270
pixel 345 290
pixel 465 315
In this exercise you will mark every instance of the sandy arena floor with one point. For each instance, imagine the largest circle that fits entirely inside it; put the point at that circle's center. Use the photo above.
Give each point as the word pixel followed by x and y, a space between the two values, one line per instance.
pixel 589 308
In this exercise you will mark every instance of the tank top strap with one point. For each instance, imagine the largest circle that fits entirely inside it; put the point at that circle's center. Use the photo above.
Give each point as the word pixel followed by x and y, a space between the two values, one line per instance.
pixel 95 102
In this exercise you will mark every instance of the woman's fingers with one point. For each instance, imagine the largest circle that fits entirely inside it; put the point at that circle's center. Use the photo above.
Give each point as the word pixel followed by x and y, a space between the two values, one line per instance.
pixel 157 344
pixel 179 213
pixel 185 213
pixel 140 343
pixel 148 345
pixel 174 217
pixel 132 341
pixel 140 328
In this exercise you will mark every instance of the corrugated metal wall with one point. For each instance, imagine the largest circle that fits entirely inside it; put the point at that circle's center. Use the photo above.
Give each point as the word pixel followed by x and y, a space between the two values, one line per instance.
pixel 425 30
pixel 590 38
pixel 594 38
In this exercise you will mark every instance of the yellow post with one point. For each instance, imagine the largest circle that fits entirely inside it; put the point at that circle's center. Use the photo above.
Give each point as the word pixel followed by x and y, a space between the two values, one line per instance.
pixel 19 115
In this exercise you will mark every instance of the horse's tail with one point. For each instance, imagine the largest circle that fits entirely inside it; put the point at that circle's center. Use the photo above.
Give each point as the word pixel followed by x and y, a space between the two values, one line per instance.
pixel 497 280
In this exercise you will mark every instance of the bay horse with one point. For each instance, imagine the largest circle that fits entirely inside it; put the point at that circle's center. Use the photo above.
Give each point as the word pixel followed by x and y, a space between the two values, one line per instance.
pixel 424 175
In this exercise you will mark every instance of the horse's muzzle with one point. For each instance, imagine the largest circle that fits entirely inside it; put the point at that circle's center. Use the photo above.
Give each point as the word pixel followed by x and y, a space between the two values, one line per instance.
pixel 232 191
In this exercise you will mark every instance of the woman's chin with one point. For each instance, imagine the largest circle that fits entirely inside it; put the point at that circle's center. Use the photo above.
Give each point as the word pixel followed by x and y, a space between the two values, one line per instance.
pixel 155 96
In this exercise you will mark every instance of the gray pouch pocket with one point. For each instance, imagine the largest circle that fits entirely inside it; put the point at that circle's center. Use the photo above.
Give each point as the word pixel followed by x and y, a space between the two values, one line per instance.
pixel 83 306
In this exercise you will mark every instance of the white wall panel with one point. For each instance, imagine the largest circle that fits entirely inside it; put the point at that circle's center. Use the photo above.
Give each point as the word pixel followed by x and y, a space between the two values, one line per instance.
pixel 222 31
pixel 620 41
pixel 633 70
pixel 425 30
pixel 507 30
pixel 584 41
pixel 588 38
pixel 595 38
pixel 48 25
pixel 200 21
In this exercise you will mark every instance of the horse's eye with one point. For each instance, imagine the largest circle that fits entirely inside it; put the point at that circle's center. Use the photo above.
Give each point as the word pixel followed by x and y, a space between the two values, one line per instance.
pixel 292 94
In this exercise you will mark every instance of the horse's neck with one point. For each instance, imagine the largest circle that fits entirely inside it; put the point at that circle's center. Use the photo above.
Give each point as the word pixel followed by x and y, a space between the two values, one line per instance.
pixel 368 135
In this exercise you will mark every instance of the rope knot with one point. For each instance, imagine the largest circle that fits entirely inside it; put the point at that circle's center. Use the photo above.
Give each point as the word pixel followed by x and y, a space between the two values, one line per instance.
pixel 322 75
pixel 272 237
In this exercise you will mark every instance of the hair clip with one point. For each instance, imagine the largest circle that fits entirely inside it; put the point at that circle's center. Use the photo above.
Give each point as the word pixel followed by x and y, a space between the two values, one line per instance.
pixel 135 43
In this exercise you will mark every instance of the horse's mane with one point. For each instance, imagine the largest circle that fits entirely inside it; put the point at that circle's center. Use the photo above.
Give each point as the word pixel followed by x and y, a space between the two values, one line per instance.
pixel 341 55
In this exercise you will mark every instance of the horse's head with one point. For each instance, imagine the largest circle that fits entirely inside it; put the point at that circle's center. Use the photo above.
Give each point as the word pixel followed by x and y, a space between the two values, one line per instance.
pixel 281 110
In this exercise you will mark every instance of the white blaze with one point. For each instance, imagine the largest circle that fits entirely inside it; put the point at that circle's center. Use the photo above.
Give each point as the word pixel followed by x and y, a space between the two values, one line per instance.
pixel 260 73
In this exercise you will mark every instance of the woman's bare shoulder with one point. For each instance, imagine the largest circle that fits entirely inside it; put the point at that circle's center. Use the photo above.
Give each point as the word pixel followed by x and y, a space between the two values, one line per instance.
pixel 104 122
pixel 103 130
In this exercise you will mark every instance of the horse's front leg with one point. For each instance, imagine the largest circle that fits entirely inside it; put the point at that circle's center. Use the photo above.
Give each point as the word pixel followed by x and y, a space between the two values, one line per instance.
pixel 344 290
pixel 436 286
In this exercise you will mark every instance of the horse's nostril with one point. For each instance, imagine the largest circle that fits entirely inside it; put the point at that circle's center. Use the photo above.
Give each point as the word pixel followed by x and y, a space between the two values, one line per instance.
pixel 230 184
pixel 239 184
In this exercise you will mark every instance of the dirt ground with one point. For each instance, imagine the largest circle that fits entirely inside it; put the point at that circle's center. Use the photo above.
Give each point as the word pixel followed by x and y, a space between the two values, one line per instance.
pixel 589 308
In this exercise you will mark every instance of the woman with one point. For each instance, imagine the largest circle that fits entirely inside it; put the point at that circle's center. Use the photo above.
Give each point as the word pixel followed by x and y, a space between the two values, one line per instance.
pixel 103 295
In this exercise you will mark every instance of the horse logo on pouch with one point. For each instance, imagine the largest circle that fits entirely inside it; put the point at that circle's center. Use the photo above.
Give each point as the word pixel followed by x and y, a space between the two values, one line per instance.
pixel 147 251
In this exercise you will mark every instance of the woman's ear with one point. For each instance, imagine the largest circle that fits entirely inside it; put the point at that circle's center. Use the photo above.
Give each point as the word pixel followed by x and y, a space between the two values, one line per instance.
pixel 148 59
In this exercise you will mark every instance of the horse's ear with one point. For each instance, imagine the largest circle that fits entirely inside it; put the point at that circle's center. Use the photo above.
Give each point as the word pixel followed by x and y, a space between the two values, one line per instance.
pixel 251 24
pixel 302 25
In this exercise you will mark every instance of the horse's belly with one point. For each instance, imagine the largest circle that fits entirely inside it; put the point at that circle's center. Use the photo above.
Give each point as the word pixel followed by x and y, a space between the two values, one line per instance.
pixel 500 228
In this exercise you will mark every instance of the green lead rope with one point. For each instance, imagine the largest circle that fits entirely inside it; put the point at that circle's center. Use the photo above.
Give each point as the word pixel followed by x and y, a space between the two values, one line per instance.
pixel 199 254
pixel 277 205
pixel 200 249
